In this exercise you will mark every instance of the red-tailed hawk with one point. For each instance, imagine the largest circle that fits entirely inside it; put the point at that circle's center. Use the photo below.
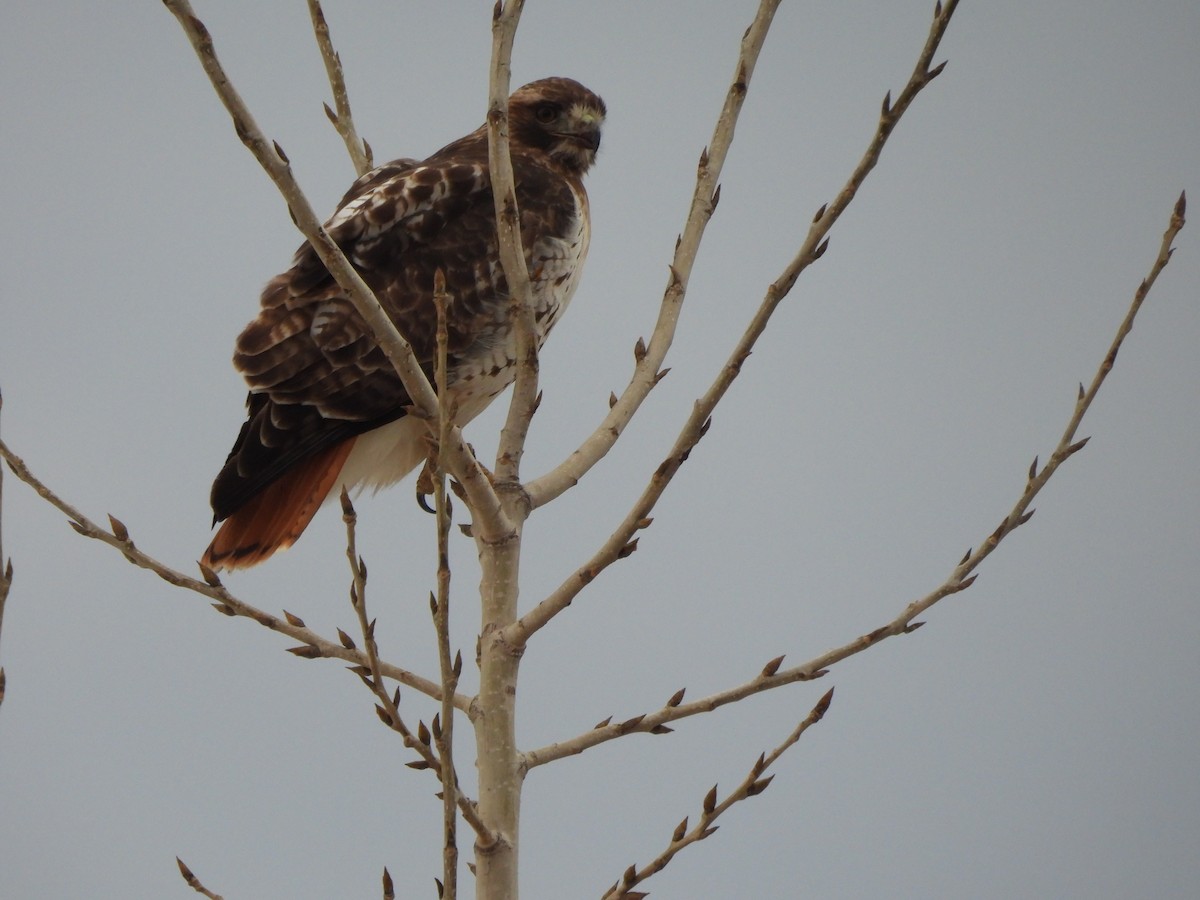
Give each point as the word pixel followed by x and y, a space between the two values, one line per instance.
pixel 326 409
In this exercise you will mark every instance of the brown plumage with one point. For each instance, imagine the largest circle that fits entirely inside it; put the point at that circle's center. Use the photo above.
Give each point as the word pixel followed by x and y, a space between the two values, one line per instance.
pixel 325 408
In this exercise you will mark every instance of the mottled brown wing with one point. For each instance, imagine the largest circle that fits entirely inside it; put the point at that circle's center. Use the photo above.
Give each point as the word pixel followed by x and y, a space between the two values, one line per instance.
pixel 317 376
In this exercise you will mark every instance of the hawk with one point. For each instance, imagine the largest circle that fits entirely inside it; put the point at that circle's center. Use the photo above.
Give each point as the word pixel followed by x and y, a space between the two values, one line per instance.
pixel 326 409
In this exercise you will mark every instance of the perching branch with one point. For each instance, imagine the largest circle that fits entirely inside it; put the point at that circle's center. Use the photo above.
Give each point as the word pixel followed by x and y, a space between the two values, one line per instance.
pixel 649 358
pixel 313 645
pixel 751 786
pixel 622 542
pixel 343 121
pixel 398 351
pixel 961 577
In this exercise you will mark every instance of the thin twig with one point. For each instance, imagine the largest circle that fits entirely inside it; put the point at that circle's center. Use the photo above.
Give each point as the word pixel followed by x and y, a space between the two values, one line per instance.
pixel 193 882
pixel 649 358
pixel 622 542
pixel 388 708
pixel 313 645
pixel 443 731
pixel 751 786
pixel 342 119
pixel 961 577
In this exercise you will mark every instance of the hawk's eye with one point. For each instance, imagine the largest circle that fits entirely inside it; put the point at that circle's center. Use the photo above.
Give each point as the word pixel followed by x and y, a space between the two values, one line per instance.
pixel 546 113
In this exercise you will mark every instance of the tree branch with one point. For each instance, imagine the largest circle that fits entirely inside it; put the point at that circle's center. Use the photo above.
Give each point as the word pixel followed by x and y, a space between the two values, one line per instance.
pixel 649 358
pixel 314 646
pixel 342 119
pixel 621 543
pixel 388 708
pixel 751 786
pixel 960 578
pixel 443 724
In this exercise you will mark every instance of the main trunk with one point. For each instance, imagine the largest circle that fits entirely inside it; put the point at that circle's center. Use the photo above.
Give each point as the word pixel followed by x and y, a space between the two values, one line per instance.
pixel 498 759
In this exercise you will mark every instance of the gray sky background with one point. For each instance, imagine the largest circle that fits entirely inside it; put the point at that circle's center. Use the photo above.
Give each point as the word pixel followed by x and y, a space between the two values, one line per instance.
pixel 1038 738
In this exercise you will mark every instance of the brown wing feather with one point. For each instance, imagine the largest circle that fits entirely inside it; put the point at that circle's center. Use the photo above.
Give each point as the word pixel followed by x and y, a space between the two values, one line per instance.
pixel 316 375
pixel 278 514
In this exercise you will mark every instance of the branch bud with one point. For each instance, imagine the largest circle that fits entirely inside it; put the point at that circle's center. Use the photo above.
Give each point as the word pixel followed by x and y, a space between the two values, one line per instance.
pixel 680 831
pixel 772 667
pixel 120 532
pixel 822 707
pixel 210 577
pixel 759 786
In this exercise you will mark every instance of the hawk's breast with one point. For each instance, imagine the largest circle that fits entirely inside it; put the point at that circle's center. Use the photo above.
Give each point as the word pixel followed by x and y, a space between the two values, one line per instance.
pixel 555 266
pixel 385 455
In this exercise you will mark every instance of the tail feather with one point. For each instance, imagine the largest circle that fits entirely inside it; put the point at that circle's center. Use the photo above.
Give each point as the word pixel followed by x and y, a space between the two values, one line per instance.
pixel 276 516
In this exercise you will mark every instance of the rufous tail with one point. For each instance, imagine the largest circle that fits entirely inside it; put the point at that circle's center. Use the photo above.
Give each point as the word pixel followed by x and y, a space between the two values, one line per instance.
pixel 276 516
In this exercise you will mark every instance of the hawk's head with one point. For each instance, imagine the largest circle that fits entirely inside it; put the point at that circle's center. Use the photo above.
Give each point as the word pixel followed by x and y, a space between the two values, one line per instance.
pixel 559 117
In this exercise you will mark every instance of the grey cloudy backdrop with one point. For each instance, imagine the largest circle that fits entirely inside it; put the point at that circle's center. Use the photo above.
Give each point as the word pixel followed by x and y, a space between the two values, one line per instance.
pixel 1038 738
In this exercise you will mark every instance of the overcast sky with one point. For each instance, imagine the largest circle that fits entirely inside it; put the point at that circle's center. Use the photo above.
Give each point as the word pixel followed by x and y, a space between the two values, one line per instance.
pixel 1038 738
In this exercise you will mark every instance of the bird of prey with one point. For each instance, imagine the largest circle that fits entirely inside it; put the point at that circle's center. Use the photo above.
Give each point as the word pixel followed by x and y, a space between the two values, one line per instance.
pixel 326 409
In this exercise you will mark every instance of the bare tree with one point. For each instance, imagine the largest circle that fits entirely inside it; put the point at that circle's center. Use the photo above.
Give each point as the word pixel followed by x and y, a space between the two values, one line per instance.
pixel 499 505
